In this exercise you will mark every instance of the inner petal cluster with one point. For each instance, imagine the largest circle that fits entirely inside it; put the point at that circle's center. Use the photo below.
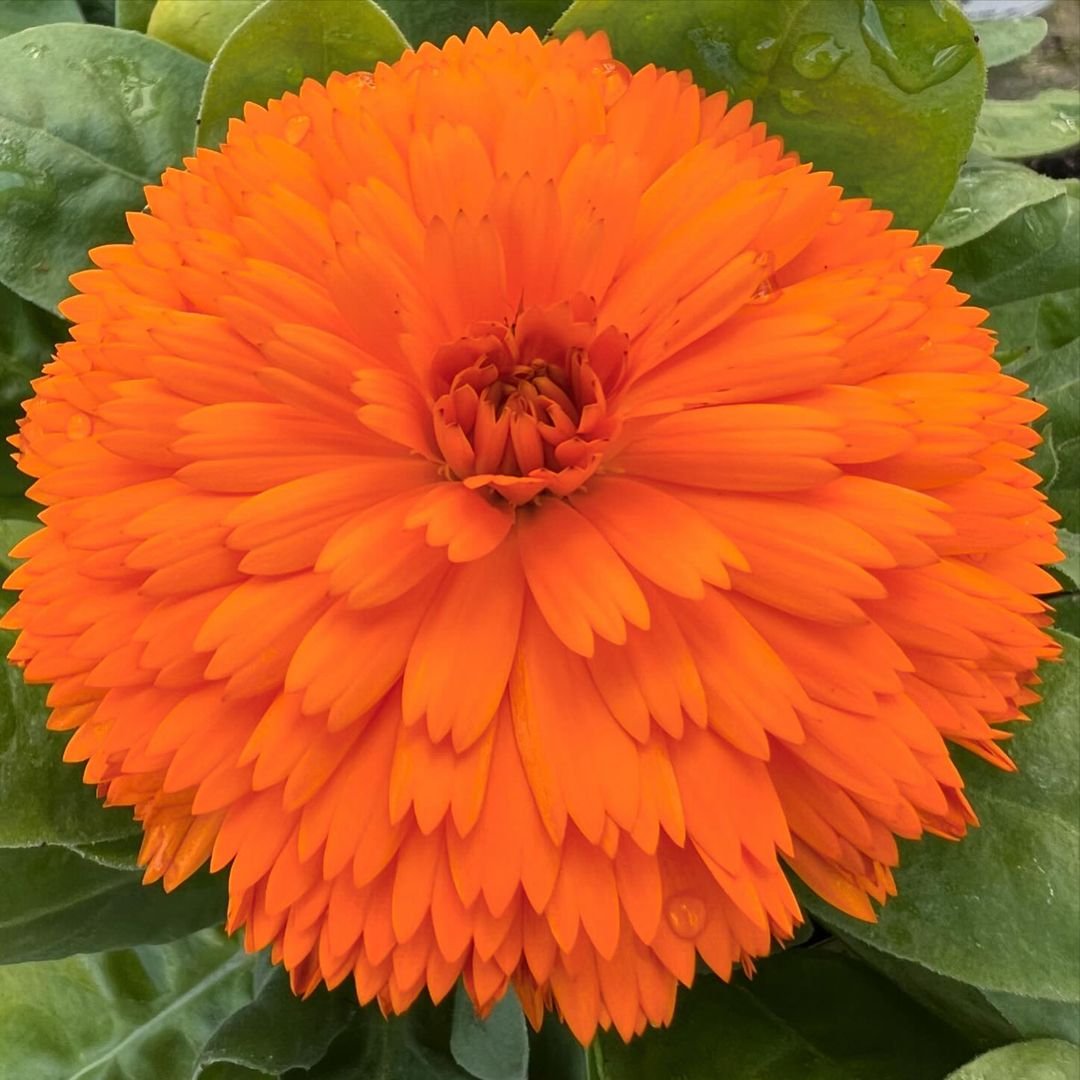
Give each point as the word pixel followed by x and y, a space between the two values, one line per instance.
pixel 527 407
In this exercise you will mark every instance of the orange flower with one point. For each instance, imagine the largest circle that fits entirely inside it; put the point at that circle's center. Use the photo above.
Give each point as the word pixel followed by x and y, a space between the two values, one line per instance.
pixel 506 508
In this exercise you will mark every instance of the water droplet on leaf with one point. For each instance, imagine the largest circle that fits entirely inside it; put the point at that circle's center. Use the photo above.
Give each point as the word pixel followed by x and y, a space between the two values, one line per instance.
pixel 903 51
pixel 758 54
pixel 797 102
pixel 817 56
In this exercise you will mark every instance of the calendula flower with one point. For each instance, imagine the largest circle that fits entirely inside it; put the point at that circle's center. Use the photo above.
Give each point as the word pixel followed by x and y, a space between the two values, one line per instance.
pixel 507 508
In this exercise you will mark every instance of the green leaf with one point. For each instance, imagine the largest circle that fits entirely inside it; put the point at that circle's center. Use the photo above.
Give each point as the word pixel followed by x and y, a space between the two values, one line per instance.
pixel 1069 542
pixel 278 1031
pixel 987 192
pixel 12 530
pixel 1002 40
pixel 1067 619
pixel 56 903
pixel 436 20
pixel 119 854
pixel 88 116
pixel 102 12
pixel 1031 253
pixel 27 338
pixel 16 15
pixel 1044 124
pixel 1011 884
pixel 554 1053
pixel 1043 1059
pixel 415 1046
pixel 199 27
pixel 987 1017
pixel 883 93
pixel 815 1014
pixel 493 1049
pixel 133 1014
pixel 133 14
pixel 43 800
pixel 281 43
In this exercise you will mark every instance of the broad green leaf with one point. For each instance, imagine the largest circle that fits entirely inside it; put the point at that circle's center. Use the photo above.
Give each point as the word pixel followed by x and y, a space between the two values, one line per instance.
pixel 16 15
pixel 12 530
pixel 43 800
pixel 1044 124
pixel 1036 1018
pixel 436 20
pixel 1011 885
pixel 987 1017
pixel 1069 542
pixel 883 93
pixel 88 116
pixel 493 1049
pixel 1037 324
pixel 987 192
pixel 815 1014
pixel 1002 40
pixel 199 27
pixel 132 1014
pixel 415 1046
pixel 226 1070
pixel 1042 1059
pixel 13 501
pixel 57 903
pixel 278 1031
pixel 554 1053
pixel 119 854
pixel 102 12
pixel 1031 253
pixel 133 14
pixel 27 337
pixel 1067 619
pixel 283 42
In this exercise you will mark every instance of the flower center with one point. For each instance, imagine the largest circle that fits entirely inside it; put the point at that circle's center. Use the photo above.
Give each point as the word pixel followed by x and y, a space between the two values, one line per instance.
pixel 523 408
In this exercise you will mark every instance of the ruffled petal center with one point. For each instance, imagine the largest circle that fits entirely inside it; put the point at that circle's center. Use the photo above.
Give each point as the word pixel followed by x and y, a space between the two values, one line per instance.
pixel 529 406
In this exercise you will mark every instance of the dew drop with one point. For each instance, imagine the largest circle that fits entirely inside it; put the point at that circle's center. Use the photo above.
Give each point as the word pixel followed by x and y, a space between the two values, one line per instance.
pixel 686 915
pixel 836 217
pixel 79 426
pixel 296 128
pixel 365 79
pixel 797 102
pixel 817 56
pixel 616 78
pixel 758 54
pixel 1064 123
pixel 766 292
pixel 900 50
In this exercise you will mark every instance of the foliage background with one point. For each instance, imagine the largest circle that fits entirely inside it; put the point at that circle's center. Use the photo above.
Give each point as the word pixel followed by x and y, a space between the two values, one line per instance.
pixel 976 962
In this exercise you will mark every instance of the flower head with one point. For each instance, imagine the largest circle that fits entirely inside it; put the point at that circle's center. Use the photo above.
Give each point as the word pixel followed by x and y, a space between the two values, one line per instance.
pixel 507 508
